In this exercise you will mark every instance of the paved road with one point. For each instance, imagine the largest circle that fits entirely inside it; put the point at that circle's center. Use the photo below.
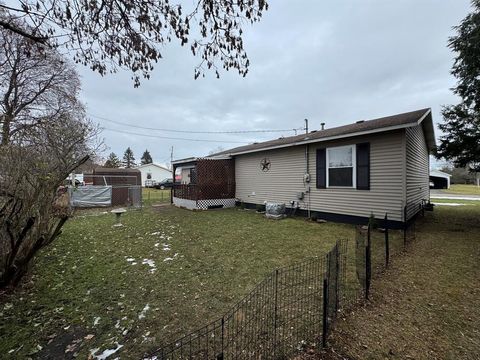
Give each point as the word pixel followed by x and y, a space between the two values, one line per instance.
pixel 440 194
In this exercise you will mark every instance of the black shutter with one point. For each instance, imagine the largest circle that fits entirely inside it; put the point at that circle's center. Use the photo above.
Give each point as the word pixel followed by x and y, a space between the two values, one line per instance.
pixel 363 166
pixel 321 169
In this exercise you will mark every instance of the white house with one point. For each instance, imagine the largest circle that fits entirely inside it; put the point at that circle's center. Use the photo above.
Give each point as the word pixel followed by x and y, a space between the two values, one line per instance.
pixel 153 173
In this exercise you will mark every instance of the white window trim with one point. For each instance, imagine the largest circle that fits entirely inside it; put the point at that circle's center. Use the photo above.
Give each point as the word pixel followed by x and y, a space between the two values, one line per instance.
pixel 354 166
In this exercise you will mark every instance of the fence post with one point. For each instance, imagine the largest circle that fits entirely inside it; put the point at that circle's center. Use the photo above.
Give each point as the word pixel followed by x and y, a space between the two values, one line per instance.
pixel 325 311
pixel 275 314
pixel 220 356
pixel 387 244
pixel 368 264
pixel 337 276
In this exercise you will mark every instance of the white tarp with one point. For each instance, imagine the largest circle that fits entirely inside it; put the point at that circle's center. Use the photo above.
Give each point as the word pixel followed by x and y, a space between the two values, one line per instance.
pixel 90 196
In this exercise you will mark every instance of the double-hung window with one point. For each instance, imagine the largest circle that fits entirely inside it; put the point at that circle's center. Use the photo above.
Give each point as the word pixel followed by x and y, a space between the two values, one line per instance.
pixel 344 166
pixel 341 166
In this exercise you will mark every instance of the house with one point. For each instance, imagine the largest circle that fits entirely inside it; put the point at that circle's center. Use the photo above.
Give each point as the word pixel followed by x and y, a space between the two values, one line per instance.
pixel 153 173
pixel 440 179
pixel 340 174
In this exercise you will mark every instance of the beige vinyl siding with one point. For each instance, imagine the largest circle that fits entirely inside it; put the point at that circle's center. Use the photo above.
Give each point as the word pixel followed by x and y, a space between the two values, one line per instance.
pixel 280 184
pixel 386 185
pixel 285 178
pixel 417 169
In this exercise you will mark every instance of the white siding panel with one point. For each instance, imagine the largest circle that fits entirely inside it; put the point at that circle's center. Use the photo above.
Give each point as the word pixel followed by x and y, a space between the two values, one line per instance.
pixel 417 168
pixel 285 179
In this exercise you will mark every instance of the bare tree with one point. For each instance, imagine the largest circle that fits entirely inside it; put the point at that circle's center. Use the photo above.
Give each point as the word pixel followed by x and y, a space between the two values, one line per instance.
pixel 35 84
pixel 45 137
pixel 129 34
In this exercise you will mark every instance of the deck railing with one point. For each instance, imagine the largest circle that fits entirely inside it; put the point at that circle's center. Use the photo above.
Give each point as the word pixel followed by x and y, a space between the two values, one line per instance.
pixel 204 192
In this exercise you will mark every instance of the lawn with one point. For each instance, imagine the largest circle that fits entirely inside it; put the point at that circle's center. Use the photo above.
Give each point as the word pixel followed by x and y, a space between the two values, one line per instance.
pixel 463 189
pixel 164 273
pixel 427 305
pixel 152 196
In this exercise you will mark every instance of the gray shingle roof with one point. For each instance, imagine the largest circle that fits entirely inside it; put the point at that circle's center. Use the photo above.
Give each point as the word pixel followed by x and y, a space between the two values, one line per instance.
pixel 375 125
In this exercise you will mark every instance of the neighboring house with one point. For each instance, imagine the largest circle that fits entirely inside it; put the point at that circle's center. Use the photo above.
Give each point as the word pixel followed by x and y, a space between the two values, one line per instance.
pixel 440 179
pixel 153 173
pixel 340 174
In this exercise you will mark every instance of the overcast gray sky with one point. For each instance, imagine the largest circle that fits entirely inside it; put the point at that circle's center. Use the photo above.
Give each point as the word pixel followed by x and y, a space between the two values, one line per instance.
pixel 332 61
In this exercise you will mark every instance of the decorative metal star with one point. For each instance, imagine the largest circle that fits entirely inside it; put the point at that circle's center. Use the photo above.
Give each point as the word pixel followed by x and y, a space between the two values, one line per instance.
pixel 265 164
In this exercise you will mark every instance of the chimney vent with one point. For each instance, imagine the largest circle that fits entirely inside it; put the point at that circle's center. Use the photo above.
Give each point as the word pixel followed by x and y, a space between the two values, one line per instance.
pixel 323 126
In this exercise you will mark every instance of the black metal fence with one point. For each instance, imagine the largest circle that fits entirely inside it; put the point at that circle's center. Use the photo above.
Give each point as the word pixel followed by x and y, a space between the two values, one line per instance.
pixel 291 308
pixel 295 307
pixel 375 246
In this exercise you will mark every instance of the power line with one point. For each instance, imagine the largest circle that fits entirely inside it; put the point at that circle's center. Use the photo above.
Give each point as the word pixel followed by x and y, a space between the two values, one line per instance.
pixel 192 131
pixel 172 138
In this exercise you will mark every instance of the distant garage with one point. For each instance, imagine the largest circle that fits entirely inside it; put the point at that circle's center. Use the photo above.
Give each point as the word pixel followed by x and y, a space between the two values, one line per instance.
pixel 440 179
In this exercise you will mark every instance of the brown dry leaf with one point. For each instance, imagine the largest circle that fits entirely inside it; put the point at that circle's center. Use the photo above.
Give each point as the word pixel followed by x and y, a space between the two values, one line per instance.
pixel 89 337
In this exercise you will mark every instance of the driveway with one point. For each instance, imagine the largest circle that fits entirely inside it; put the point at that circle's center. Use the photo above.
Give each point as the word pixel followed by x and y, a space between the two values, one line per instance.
pixel 441 194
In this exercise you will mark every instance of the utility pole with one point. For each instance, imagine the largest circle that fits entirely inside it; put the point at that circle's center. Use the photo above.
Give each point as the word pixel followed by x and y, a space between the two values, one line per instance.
pixel 171 156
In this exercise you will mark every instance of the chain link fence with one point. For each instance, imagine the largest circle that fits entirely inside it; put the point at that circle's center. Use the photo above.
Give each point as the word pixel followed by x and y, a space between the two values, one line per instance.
pixel 107 190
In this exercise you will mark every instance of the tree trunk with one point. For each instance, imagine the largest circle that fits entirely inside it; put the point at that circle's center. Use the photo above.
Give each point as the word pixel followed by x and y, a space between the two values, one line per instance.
pixel 6 129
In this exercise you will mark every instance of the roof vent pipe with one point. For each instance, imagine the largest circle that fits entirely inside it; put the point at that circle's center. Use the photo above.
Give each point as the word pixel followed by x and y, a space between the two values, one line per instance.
pixel 323 126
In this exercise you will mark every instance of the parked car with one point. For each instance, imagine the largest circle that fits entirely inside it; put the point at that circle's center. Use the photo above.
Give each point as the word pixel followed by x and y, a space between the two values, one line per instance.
pixel 164 184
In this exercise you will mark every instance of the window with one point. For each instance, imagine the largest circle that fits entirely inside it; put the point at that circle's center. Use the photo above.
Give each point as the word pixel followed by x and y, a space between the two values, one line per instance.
pixel 344 166
pixel 341 166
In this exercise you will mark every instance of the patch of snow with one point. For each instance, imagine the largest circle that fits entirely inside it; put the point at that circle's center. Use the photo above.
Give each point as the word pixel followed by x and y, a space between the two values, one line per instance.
pixel 104 355
pixel 130 259
pixel 171 258
pixel 150 263
pixel 96 320
pixel 166 247
pixel 144 311
pixel 156 233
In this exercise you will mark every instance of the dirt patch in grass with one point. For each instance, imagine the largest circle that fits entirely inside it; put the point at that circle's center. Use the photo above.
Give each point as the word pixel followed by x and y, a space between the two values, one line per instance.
pixel 427 305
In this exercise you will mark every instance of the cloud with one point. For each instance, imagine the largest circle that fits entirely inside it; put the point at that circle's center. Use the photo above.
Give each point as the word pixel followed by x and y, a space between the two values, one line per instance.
pixel 329 61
